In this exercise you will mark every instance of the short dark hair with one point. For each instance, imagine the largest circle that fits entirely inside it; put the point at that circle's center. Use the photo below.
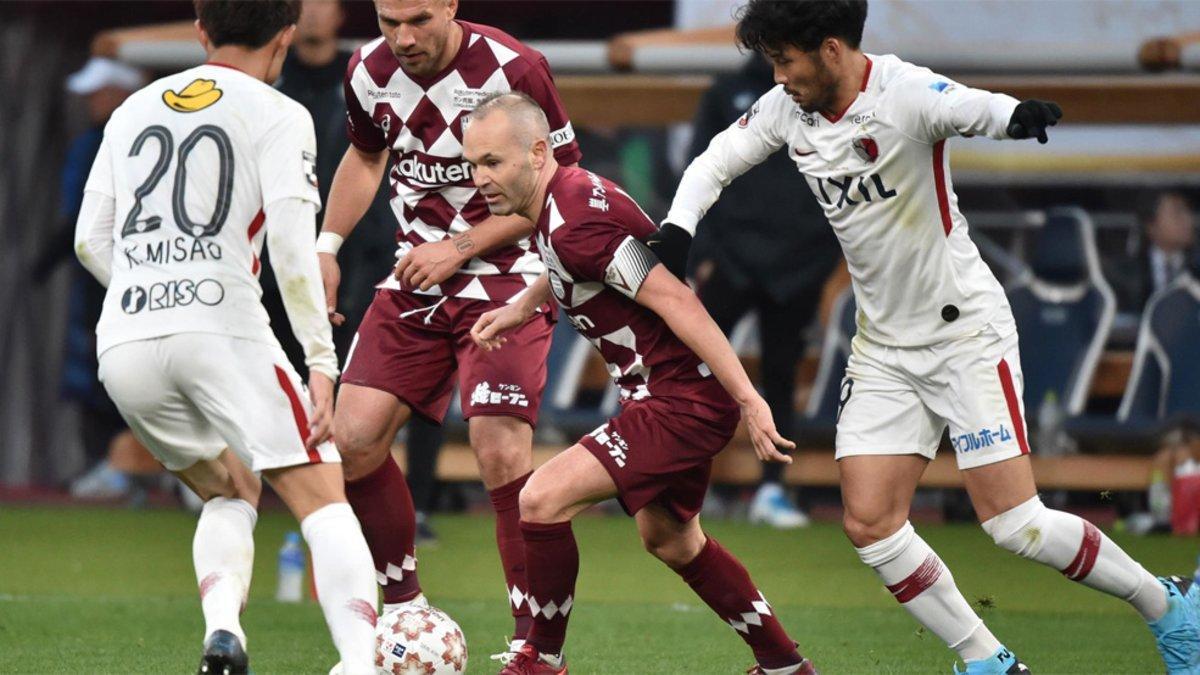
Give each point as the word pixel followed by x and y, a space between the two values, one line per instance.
pixel 248 23
pixel 770 25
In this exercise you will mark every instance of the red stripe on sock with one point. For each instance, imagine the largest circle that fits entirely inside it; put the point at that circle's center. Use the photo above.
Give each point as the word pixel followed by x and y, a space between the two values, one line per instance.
pixel 1014 405
pixel 298 413
pixel 208 582
pixel 1085 558
pixel 922 578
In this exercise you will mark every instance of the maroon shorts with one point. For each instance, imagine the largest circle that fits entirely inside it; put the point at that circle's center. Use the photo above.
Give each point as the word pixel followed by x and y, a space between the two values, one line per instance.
pixel 410 346
pixel 660 450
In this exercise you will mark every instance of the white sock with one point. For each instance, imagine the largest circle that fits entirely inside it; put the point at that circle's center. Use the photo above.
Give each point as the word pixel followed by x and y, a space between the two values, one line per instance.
pixel 923 584
pixel 1080 551
pixel 223 553
pixel 345 578
pixel 418 602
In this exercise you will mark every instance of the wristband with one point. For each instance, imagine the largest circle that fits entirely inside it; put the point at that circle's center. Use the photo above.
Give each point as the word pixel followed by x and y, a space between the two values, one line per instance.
pixel 329 242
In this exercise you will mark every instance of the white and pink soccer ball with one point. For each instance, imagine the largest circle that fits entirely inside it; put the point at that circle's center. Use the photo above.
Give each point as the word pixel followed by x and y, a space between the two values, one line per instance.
pixel 419 641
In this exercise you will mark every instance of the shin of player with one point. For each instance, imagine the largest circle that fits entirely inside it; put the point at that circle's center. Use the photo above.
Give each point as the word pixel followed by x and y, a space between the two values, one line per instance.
pixel 681 398
pixel 186 350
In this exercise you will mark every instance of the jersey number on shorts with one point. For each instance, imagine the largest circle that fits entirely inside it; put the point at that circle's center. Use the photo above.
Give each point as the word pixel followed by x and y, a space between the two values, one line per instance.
pixel 844 398
pixel 166 146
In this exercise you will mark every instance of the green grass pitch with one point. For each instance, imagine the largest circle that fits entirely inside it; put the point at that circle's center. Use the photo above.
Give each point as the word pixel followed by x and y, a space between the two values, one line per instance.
pixel 112 591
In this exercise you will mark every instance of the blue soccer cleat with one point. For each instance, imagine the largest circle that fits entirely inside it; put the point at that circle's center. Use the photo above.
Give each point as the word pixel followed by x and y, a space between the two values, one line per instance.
pixel 1002 662
pixel 1177 633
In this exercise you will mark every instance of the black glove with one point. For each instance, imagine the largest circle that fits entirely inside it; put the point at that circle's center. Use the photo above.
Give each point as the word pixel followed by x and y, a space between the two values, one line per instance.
pixel 671 244
pixel 1031 118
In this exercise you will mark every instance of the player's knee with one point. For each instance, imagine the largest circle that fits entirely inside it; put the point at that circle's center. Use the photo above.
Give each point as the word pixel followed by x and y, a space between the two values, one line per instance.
pixel 671 548
pixel 1020 528
pixel 866 530
pixel 362 450
pixel 502 448
pixel 538 504
pixel 499 463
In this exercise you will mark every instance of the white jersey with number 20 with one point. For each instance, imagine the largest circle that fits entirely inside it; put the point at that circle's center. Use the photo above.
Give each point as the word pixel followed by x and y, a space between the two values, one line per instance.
pixel 193 161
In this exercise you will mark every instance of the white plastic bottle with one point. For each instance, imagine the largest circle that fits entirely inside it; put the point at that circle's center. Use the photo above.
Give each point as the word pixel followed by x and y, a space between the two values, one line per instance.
pixel 291 569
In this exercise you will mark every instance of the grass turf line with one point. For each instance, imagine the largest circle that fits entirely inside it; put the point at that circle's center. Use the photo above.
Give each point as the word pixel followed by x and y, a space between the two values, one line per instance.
pixel 113 591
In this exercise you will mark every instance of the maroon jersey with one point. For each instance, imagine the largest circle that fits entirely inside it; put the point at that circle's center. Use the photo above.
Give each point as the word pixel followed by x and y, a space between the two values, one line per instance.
pixel 420 121
pixel 590 235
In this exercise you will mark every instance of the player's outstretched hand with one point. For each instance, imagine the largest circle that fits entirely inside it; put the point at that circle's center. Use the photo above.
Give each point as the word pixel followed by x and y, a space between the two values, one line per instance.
pixel 429 264
pixel 1030 119
pixel 320 427
pixel 761 425
pixel 671 244
pixel 488 331
pixel 331 277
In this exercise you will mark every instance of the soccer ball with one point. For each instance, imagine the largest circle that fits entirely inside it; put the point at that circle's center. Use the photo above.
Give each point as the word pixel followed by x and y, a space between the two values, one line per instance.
pixel 419 641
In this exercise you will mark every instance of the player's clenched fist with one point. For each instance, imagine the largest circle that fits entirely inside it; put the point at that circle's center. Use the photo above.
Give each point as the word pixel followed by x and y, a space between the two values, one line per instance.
pixel 489 330
pixel 766 439
pixel 1030 119
pixel 331 277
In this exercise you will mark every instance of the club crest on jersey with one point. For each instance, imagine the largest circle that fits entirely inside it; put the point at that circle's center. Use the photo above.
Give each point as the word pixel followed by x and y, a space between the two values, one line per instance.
pixel 198 95
pixel 744 120
pixel 866 148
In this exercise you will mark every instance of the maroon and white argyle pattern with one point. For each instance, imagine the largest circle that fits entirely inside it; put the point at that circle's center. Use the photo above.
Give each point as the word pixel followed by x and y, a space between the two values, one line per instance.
pixel 420 120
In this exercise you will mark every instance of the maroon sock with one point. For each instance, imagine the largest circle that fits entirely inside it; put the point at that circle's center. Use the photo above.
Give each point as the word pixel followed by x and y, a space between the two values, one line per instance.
pixel 384 507
pixel 512 551
pixel 551 563
pixel 721 582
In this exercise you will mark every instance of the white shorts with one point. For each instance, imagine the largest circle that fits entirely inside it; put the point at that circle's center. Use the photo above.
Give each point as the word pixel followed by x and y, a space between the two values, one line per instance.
pixel 899 400
pixel 189 396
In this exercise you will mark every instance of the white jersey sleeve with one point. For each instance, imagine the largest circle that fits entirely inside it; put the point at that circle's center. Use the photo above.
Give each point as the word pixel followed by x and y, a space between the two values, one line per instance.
pixel 747 142
pixel 934 108
pixel 291 238
pixel 97 217
pixel 287 155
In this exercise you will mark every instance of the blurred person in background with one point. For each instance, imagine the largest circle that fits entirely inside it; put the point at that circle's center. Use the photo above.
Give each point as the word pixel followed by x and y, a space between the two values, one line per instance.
pixel 1159 253
pixel 103 84
pixel 1174 493
pixel 312 75
pixel 745 260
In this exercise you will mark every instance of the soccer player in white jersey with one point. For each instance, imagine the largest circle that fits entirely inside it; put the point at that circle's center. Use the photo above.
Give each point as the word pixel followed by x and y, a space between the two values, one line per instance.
pixel 936 342
pixel 194 172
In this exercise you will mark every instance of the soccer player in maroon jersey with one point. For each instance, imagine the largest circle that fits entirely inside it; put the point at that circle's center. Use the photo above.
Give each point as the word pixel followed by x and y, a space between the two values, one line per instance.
pixel 407 93
pixel 682 388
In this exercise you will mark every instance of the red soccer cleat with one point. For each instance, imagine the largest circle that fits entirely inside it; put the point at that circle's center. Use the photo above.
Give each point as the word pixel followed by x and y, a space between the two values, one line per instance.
pixel 527 661
pixel 806 668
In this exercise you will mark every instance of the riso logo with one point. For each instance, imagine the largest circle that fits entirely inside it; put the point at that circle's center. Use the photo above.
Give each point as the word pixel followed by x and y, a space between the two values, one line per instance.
pixel 171 294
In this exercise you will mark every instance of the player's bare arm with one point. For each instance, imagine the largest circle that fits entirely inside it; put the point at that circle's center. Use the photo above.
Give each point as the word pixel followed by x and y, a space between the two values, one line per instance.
pixel 429 264
pixel 666 296
pixel 354 186
pixel 488 332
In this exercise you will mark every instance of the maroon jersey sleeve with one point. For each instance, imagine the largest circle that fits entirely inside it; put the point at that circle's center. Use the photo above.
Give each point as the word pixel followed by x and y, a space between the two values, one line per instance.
pixel 604 252
pixel 360 128
pixel 539 84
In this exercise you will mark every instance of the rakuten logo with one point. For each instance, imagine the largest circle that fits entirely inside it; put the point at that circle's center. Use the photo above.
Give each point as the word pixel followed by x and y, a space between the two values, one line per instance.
pixel 433 172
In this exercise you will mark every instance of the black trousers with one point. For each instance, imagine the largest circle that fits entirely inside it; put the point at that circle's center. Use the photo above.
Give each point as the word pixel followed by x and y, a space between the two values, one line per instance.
pixel 781 326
